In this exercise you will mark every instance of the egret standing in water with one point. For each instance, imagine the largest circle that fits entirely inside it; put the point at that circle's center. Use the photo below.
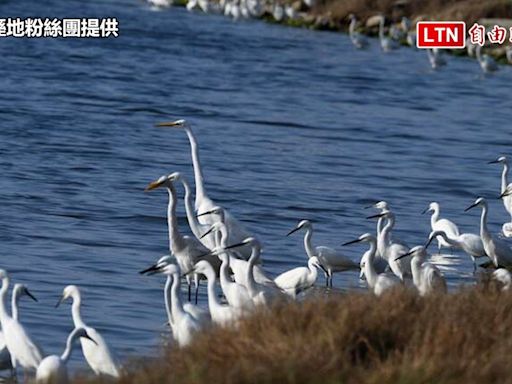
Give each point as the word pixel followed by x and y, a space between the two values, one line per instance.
pixel 203 203
pixel 299 279
pixel 436 58
pixel 486 62
pixel 444 225
pixel 378 283
pixel 498 250
pixel 425 276
pixel 24 352
pixel 53 369
pixel 507 198
pixel 357 39
pixel 95 349
pixel 331 260
pixel 387 44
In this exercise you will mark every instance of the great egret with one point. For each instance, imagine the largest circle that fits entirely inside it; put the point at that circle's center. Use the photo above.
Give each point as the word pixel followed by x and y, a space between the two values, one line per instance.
pixel 261 294
pixel 331 260
pixel 507 197
pixel 24 352
pixel 391 248
pixel 378 283
pixel 186 249
pixel 222 315
pixel 502 276
pixel 425 276
pixel 299 279
pixel 96 352
pixel 436 58
pixel 497 249
pixel 195 311
pixel 183 324
pixel 53 369
pixel 387 44
pixel 380 262
pixel 237 265
pixel 486 62
pixel 444 225
pixel 357 39
pixel 469 242
pixel 203 203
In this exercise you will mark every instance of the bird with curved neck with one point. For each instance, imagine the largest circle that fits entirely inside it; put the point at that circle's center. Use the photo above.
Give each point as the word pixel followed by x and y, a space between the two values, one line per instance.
pixel 469 242
pixel 186 249
pixel 357 39
pixel 203 202
pixel 380 262
pixel 498 250
pixel 507 197
pixel 53 369
pixel 236 263
pixel 444 225
pixel 487 63
pixel 299 279
pixel 387 44
pixel 95 349
pixel 377 282
pixel 426 276
pixel 331 260
pixel 391 248
pixel 24 352
pixel 261 294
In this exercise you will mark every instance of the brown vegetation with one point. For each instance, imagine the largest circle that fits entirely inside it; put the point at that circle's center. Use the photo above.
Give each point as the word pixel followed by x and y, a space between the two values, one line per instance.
pixel 464 337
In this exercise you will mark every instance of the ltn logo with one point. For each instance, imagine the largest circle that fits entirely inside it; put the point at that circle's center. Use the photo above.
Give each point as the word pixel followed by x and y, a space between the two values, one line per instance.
pixel 441 34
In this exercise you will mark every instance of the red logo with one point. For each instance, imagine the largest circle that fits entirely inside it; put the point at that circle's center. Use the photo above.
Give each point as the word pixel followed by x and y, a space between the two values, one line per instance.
pixel 441 34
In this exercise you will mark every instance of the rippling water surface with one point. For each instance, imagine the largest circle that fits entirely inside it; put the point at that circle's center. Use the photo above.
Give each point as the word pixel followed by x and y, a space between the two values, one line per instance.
pixel 291 123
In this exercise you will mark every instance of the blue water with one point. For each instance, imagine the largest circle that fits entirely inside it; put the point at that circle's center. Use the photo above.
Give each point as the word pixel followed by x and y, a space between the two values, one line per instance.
pixel 291 123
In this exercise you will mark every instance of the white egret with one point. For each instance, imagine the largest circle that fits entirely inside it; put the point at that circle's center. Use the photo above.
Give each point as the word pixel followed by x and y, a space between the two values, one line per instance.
pixel 299 279
pixel 410 37
pixel 186 249
pixel 507 198
pixel 508 53
pixel 426 276
pixel 53 369
pixel 386 43
pixel 278 12
pixel 192 4
pixel 470 47
pixel 331 260
pixel 96 352
pixel 486 62
pixel 357 39
pixel 203 203
pixel 391 248
pixel 445 225
pixel 222 315
pixel 24 352
pixel 238 266
pixel 261 294
pixel 497 249
pixel 201 315
pixel 469 242
pixel 503 276
pixel 378 283
pixel 436 58
pixel 380 262
pixel 160 4
pixel 184 325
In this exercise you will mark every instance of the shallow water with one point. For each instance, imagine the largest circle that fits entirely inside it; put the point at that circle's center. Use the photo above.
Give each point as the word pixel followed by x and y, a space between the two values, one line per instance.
pixel 291 123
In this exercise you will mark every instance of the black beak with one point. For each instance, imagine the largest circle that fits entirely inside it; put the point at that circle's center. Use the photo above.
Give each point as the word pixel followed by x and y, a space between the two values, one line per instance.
pixel 493 162
pixel 292 231
pixel 470 207
pixel 207 232
pixel 151 270
pixel 30 295
pixel 425 211
pixel 507 192
pixel 205 213
pixel 378 215
pixel 89 338
pixel 323 269
pixel 59 302
pixel 428 242
pixel 351 242
pixel 235 246
pixel 402 256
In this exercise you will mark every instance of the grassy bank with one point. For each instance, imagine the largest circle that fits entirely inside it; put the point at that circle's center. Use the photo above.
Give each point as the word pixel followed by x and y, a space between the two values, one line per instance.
pixel 464 337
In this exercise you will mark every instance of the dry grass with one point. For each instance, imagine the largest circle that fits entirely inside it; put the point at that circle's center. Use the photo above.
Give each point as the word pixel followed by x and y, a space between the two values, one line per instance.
pixel 465 337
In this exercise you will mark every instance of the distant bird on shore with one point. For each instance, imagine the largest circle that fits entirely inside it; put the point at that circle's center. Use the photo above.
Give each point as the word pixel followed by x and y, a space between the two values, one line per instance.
pixel 160 4
pixel 387 44
pixel 278 12
pixel 486 62
pixel 357 39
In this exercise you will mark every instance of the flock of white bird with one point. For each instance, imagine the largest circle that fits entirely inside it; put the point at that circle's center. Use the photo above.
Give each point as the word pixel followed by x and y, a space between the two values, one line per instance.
pixel 223 252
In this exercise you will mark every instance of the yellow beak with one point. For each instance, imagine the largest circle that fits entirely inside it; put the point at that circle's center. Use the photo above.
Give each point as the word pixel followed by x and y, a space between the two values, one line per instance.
pixel 170 124
pixel 154 185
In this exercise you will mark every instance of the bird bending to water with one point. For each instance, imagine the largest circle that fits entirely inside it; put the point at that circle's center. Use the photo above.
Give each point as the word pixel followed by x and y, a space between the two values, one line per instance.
pixel 469 242
pixel 486 62
pixel 502 276
pixel 331 260
pixel 203 203
pixel 498 250
pixel 357 39
pixel 378 283
pixel 299 279
pixel 53 369
pixel 426 276
pixel 96 352
pixel 444 225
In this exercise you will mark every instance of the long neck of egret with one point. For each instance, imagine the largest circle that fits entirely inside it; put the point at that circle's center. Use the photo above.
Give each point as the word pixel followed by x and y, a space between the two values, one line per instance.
pixel 175 238
pixel 16 294
pixel 3 298
pixel 435 216
pixel 69 345
pixel 369 268
pixel 308 244
pixel 194 224
pixel 76 312
pixel 504 177
pixel 198 172
pixel 176 304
